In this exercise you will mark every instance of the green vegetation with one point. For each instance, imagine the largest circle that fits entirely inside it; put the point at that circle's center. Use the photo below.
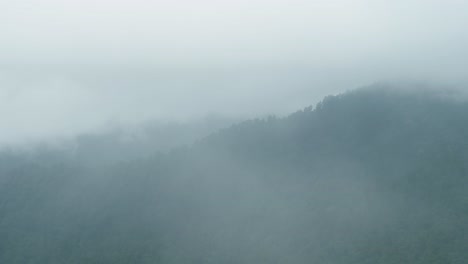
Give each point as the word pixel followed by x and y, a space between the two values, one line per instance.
pixel 372 176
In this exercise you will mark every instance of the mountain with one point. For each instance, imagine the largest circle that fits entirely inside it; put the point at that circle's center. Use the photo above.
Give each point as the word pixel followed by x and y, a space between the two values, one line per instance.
pixel 374 175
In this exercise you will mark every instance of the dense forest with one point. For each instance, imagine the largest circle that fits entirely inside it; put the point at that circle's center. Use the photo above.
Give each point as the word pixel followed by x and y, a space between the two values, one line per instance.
pixel 371 176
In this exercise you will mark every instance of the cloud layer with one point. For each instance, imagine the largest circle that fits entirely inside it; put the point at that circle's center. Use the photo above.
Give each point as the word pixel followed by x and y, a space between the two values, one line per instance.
pixel 70 66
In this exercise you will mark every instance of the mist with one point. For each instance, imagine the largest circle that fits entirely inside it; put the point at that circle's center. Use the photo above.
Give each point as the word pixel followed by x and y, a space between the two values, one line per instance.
pixel 233 131
pixel 76 66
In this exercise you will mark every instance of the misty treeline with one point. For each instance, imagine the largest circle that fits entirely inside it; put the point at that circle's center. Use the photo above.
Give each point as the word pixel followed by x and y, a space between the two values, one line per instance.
pixel 369 176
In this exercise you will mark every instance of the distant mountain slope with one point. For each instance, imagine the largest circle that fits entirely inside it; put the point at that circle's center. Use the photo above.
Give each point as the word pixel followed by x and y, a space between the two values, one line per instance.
pixel 369 176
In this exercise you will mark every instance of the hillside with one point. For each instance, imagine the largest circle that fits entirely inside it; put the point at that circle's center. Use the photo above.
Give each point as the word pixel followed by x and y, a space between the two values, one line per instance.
pixel 375 175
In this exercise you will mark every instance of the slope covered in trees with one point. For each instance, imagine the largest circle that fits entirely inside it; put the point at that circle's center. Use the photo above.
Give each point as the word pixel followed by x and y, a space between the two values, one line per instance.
pixel 369 176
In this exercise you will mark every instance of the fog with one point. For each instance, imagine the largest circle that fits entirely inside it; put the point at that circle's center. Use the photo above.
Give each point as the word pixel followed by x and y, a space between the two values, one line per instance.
pixel 233 131
pixel 68 67
pixel 374 175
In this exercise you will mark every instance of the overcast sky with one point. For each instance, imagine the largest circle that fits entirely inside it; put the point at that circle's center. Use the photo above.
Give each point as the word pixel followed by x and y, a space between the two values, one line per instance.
pixel 68 66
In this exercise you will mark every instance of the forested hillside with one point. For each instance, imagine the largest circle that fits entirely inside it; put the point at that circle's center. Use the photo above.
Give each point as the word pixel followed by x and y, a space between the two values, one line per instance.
pixel 371 176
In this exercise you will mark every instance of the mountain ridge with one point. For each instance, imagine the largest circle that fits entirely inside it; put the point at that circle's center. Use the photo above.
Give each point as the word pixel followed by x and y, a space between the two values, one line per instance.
pixel 373 175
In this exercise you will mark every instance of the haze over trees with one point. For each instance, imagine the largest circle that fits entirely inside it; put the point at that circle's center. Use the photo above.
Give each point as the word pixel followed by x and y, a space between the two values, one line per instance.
pixel 375 175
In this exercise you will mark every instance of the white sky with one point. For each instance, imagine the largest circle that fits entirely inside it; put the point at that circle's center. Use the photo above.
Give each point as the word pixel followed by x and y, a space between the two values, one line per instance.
pixel 68 66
